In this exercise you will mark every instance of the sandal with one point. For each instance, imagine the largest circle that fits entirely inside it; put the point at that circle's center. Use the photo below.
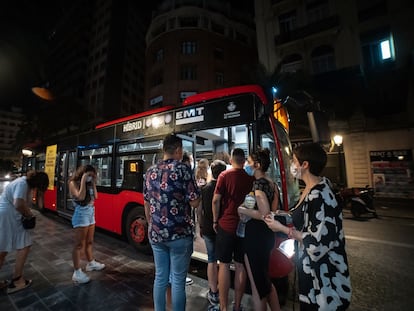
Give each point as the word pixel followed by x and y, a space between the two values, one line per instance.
pixel 12 288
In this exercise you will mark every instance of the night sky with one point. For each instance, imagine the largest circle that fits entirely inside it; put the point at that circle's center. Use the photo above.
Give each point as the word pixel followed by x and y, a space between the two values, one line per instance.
pixel 24 29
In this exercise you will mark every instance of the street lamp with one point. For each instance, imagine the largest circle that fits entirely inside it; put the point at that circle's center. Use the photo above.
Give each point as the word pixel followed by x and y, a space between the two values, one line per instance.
pixel 338 139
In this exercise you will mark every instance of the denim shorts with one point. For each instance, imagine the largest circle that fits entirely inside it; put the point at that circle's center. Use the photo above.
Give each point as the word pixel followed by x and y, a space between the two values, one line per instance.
pixel 210 241
pixel 83 216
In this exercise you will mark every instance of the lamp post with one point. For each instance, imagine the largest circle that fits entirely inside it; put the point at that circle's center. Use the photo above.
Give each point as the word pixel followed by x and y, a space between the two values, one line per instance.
pixel 338 139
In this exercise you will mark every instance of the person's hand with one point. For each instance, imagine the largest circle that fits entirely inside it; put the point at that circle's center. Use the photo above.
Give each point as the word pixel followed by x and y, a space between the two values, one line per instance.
pixel 273 224
pixel 241 211
pixel 215 227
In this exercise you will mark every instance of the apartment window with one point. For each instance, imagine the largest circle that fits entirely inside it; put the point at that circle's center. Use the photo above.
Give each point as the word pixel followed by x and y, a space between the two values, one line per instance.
pixel 378 51
pixel 159 56
pixel 156 79
pixel 188 47
pixel 218 53
pixel 217 28
pixel 317 10
pixel 188 21
pixel 287 21
pixel 292 63
pixel 323 59
pixel 219 78
pixel 188 73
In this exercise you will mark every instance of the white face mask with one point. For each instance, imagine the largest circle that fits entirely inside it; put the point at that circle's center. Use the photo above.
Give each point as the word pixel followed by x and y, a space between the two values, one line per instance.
pixel 89 179
pixel 296 172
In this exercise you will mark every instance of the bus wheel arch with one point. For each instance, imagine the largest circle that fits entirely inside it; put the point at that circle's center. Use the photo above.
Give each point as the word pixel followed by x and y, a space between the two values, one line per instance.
pixel 136 228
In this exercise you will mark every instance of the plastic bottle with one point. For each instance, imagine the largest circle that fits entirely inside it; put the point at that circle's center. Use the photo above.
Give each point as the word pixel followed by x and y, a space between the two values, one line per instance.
pixel 249 202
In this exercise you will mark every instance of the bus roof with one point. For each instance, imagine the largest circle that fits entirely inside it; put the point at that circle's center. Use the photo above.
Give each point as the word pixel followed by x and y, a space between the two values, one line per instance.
pixel 134 116
pixel 252 88
pixel 197 98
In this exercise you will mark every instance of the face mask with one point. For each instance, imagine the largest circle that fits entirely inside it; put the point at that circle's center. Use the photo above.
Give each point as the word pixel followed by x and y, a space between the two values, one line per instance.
pixel 249 170
pixel 296 172
pixel 89 179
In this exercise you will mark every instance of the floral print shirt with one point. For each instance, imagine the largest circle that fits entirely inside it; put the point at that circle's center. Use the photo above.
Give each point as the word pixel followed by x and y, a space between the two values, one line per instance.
pixel 169 187
pixel 322 263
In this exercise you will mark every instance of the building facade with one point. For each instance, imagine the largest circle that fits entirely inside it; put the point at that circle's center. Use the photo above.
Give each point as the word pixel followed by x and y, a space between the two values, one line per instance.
pixel 358 56
pixel 10 123
pixel 195 46
pixel 96 58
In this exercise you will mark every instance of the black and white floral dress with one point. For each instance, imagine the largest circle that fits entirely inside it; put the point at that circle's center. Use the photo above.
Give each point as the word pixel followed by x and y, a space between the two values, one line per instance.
pixel 323 274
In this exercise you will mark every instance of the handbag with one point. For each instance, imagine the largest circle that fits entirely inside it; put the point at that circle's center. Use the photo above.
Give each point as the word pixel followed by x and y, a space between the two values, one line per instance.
pixel 280 263
pixel 29 222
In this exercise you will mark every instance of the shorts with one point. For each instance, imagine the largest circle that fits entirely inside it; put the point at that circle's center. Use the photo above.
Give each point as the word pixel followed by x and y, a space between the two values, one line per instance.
pixel 228 247
pixel 210 241
pixel 84 216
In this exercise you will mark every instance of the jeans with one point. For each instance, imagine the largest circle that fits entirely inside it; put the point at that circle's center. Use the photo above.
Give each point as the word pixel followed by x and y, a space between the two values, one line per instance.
pixel 171 258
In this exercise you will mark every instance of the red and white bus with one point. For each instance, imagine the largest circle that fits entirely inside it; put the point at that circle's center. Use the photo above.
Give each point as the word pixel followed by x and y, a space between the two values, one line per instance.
pixel 123 149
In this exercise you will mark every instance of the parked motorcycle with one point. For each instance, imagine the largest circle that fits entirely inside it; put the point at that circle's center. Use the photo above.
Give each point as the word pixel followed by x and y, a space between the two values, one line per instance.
pixel 359 200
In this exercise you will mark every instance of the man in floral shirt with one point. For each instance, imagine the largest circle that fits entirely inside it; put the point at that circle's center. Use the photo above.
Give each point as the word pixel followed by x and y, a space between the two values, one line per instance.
pixel 169 192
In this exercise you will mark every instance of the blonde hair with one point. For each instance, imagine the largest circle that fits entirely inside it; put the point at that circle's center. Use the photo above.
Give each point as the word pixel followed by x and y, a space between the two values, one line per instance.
pixel 201 170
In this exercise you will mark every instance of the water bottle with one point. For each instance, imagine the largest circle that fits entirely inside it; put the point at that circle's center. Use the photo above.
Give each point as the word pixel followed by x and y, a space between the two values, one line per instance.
pixel 249 202
pixel 241 228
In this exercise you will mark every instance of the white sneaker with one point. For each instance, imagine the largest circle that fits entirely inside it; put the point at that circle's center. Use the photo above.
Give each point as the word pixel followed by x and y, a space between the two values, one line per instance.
pixel 94 265
pixel 188 281
pixel 80 277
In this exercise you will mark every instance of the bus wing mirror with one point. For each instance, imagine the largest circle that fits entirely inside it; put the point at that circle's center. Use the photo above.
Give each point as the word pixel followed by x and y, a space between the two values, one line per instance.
pixel 318 124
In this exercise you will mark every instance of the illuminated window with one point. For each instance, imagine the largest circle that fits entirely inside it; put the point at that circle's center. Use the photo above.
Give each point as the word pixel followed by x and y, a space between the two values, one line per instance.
pixel 377 49
pixel 385 49
pixel 188 47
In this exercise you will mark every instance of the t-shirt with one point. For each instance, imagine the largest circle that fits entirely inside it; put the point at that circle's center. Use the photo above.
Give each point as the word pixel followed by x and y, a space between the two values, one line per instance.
pixel 206 199
pixel 233 185
pixel 169 187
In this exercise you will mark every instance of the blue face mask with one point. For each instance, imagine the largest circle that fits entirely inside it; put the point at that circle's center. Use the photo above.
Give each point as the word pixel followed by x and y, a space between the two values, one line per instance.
pixel 249 170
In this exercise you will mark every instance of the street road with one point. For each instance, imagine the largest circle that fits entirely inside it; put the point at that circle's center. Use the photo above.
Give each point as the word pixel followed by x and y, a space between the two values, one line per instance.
pixel 380 253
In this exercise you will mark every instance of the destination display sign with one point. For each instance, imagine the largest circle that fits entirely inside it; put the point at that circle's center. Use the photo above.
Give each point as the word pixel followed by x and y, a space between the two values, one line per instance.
pixel 219 113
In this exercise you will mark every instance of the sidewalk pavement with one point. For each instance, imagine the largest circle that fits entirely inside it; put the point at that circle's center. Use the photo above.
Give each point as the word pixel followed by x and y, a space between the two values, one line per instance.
pixel 125 283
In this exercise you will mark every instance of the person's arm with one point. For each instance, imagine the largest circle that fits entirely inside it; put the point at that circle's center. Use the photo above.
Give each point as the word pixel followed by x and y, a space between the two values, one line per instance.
pixel 276 226
pixel 215 204
pixel 95 191
pixel 22 207
pixel 78 193
pixel 200 216
pixel 262 205
pixel 147 211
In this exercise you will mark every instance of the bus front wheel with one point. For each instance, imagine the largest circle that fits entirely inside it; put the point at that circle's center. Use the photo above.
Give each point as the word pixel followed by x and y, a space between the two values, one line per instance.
pixel 136 230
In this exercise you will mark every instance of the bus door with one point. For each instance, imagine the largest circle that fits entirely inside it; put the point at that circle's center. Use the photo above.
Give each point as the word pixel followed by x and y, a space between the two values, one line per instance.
pixel 66 167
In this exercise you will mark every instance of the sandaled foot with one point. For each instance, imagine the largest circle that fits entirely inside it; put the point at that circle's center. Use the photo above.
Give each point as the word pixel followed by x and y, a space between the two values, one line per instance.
pixel 15 287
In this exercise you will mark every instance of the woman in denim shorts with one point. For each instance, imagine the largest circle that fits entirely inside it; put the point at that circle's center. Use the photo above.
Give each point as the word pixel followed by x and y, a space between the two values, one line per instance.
pixel 82 187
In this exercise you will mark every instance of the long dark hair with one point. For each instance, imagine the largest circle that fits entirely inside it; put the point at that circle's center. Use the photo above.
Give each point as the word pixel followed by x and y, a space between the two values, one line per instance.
pixel 77 176
pixel 38 180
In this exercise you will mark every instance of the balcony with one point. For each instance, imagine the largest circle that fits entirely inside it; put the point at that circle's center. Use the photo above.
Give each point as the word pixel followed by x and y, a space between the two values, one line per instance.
pixel 307 30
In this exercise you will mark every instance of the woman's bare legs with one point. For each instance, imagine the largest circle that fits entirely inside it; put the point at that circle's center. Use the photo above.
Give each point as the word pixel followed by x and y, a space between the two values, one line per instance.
pixel 80 242
pixel 261 304
pixel 89 242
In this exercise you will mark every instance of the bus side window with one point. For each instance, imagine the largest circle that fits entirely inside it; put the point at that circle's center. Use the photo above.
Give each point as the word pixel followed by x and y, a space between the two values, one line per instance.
pixel 133 175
